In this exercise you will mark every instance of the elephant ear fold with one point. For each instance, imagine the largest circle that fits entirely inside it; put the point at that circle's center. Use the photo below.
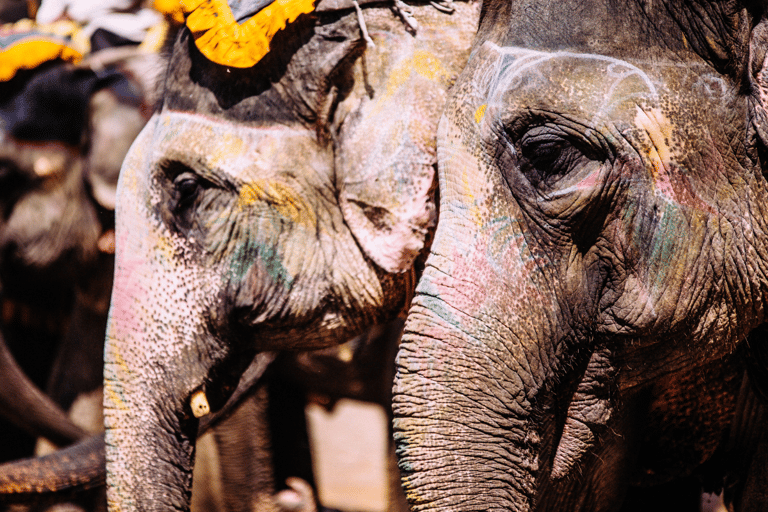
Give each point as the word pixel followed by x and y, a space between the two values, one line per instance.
pixel 758 77
pixel 390 211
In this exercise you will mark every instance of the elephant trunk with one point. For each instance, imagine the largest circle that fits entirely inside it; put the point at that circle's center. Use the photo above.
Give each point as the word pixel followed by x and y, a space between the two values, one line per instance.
pixel 494 451
pixel 149 443
pixel 152 365
pixel 483 335
pixel 57 476
pixel 151 404
pixel 28 407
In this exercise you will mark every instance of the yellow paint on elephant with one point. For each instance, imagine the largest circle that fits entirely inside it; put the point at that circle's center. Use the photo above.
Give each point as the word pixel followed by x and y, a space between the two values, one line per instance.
pixel 423 63
pixel 114 398
pixel 659 131
pixel 475 212
pixel 112 395
pixel 224 41
pixel 281 198
pixel 227 146
pixel 480 113
pixel 427 65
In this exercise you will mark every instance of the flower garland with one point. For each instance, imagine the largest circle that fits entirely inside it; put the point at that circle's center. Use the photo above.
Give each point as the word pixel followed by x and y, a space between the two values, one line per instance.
pixel 224 41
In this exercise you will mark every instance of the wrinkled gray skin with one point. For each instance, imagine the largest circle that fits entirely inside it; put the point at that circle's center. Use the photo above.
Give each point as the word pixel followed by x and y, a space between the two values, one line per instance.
pixel 280 206
pixel 599 261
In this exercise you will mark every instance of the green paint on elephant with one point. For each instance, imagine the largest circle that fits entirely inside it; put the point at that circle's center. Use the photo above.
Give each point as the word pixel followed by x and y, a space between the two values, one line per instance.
pixel 245 256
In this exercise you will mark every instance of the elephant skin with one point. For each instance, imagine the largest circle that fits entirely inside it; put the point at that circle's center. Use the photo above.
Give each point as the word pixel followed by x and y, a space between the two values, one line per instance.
pixel 276 207
pixel 579 329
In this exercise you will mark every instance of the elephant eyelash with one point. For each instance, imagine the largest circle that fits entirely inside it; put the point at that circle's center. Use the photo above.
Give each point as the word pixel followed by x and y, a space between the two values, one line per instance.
pixel 545 157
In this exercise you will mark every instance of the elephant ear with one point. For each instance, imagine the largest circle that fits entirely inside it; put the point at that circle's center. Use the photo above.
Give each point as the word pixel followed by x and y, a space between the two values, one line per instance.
pixel 386 157
pixel 388 204
pixel 758 77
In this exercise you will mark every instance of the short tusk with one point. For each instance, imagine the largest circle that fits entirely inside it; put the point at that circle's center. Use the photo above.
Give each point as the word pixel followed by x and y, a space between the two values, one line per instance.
pixel 199 404
pixel 43 166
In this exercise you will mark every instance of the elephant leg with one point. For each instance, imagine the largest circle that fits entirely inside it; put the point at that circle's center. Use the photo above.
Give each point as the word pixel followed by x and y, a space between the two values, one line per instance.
pixel 289 434
pixel 245 454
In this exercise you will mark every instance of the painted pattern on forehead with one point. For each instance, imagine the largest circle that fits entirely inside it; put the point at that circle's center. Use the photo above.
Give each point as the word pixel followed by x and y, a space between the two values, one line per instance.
pixel 234 150
pixel 603 83
pixel 420 63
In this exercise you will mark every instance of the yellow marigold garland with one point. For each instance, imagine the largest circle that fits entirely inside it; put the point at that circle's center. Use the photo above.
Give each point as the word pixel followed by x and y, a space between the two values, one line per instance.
pixel 26 45
pixel 222 40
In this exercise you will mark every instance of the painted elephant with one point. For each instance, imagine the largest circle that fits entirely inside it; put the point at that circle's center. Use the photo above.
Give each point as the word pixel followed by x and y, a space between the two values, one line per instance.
pixel 600 259
pixel 276 206
pixel 60 152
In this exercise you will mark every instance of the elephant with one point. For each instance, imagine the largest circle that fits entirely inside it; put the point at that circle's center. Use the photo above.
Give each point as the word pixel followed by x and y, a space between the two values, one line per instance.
pixel 254 443
pixel 60 153
pixel 282 205
pixel 589 323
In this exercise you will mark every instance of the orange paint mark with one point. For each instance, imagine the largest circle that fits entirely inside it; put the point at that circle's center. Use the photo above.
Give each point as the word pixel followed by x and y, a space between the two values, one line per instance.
pixel 280 197
pixel 480 113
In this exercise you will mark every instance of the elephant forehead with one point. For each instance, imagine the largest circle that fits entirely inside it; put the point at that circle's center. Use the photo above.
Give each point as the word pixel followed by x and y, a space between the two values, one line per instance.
pixel 243 153
pixel 592 87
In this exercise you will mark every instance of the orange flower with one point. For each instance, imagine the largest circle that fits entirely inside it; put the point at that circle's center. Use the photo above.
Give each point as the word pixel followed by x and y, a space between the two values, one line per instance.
pixel 222 40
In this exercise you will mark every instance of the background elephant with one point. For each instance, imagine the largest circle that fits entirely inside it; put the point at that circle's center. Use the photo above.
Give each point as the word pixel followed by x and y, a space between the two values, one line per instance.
pixel 277 206
pixel 599 261
pixel 65 130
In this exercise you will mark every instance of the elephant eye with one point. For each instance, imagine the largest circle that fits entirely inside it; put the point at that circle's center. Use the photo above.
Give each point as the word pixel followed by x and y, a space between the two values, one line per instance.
pixel 550 154
pixel 187 187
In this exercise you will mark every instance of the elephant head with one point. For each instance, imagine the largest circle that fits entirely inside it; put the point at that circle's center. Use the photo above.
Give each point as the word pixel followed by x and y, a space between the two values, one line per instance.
pixel 600 256
pixel 276 206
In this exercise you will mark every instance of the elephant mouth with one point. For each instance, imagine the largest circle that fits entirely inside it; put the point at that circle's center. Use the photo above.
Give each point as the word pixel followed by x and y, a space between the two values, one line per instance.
pixel 587 416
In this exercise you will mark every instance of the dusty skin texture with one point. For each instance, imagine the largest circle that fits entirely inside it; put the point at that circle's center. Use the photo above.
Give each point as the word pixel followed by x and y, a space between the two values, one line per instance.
pixel 600 259
pixel 280 206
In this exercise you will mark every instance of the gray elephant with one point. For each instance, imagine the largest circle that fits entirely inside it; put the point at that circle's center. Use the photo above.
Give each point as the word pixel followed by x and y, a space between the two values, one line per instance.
pixel 282 205
pixel 600 259
pixel 61 147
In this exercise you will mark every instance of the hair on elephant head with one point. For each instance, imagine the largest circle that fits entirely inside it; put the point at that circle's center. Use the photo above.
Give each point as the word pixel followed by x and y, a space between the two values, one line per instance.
pixel 599 260
pixel 282 204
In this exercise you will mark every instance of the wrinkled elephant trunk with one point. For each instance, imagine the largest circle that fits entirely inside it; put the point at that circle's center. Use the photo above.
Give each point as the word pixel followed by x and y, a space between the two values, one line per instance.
pixel 147 436
pixel 151 366
pixel 438 379
pixel 150 439
pixel 482 335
